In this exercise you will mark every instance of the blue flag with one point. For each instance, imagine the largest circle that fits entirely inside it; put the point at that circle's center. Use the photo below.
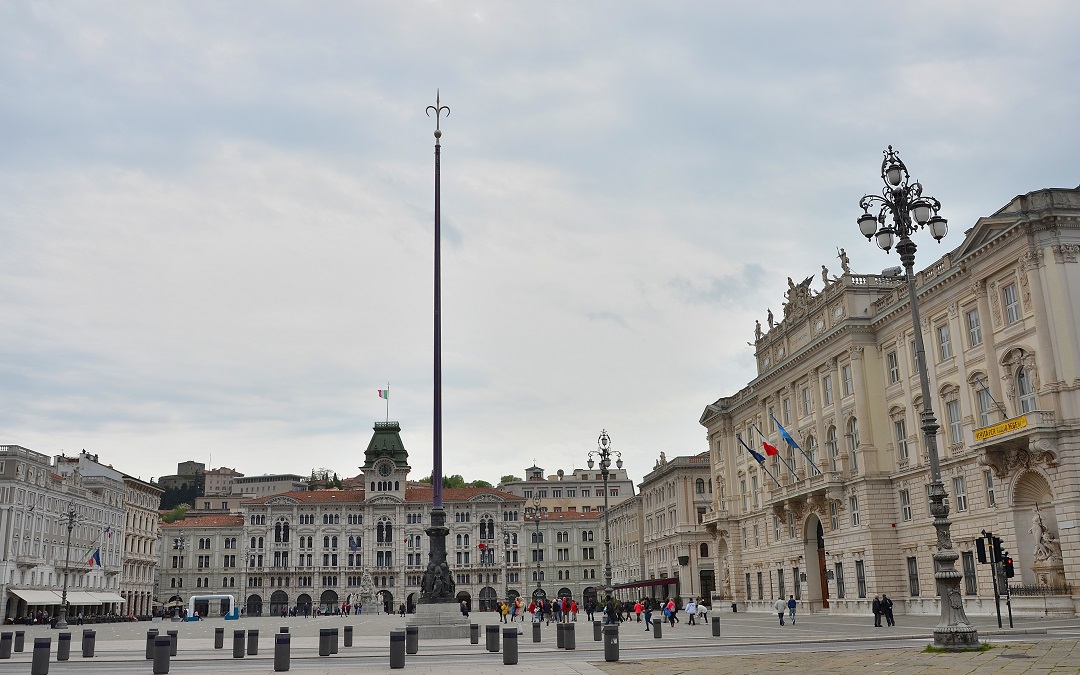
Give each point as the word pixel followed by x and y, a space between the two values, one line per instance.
pixel 791 441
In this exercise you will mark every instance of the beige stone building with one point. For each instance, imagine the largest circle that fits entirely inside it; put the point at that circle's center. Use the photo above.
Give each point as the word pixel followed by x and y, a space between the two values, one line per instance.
pixel 1001 316
pixel 140 538
pixel 581 490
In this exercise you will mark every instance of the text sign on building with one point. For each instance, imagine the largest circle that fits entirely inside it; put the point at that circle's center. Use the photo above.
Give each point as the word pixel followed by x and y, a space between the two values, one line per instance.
pixel 1001 428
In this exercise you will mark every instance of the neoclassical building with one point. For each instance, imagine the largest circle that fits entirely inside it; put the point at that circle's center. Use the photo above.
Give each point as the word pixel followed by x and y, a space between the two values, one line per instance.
pixel 140 539
pixel 1000 320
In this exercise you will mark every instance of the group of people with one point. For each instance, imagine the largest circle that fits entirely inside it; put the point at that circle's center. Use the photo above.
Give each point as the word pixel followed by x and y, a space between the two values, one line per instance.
pixel 882 607
pixel 788 606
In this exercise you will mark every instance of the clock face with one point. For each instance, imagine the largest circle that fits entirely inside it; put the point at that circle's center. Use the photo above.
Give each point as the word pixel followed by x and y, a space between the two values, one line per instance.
pixel 385 469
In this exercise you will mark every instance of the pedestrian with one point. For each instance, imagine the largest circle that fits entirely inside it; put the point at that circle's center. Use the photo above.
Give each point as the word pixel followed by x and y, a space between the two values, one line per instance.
pixel 876 606
pixel 886 608
pixel 691 612
pixel 648 613
pixel 780 606
pixel 670 611
pixel 465 608
pixel 574 609
pixel 637 610
pixel 791 608
pixel 703 610
pixel 611 612
pixel 401 610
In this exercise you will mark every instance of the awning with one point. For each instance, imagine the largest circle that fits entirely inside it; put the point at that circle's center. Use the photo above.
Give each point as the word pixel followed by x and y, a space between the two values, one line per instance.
pixel 82 598
pixel 648 582
pixel 108 597
pixel 37 597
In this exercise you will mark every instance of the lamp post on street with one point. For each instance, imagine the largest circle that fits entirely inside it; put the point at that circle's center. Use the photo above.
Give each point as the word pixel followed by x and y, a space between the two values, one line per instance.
pixel 538 551
pixel 506 559
pixel 179 544
pixel 69 517
pixel 902 200
pixel 604 452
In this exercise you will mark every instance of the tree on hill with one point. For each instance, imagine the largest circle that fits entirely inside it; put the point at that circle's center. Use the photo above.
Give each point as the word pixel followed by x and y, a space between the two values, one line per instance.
pixel 458 481
pixel 509 478
pixel 175 514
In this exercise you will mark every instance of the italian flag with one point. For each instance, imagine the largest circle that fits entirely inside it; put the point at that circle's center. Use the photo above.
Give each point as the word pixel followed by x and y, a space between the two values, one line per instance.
pixel 384 393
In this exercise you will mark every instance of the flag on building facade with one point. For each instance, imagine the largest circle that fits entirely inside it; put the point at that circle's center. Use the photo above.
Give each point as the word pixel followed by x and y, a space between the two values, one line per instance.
pixel 96 558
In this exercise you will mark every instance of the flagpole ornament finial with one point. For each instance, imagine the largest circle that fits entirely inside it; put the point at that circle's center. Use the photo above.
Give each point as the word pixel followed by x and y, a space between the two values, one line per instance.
pixel 438 109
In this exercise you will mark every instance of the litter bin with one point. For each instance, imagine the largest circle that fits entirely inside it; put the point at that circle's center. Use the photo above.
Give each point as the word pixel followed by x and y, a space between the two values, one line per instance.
pixel 611 643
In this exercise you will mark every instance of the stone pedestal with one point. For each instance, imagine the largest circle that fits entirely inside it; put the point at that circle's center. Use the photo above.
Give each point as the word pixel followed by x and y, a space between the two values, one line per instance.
pixel 1049 573
pixel 440 621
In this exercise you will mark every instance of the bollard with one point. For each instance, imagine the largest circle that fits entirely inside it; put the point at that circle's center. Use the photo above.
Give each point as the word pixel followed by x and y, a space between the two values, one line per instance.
pixel 219 638
pixel 716 626
pixel 597 629
pixel 163 645
pixel 333 640
pixel 611 643
pixel 412 639
pixel 88 639
pixel 397 649
pixel 253 642
pixel 20 636
pixel 5 645
pixel 510 646
pixel 42 651
pixel 282 642
pixel 536 631
pixel 570 638
pixel 474 633
pixel 63 647
pixel 324 642
pixel 560 635
pixel 492 634
pixel 150 635
pixel 174 636
pixel 657 628
pixel 347 640
pixel 238 644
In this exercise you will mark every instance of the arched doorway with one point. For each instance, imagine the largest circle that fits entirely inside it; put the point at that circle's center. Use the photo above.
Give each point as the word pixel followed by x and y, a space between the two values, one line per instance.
pixel 565 593
pixel 279 603
pixel 539 594
pixel 303 604
pixel 254 605
pixel 386 599
pixel 489 599
pixel 589 594
pixel 328 601
pixel 817 580
pixel 512 595
pixel 464 596
pixel 410 603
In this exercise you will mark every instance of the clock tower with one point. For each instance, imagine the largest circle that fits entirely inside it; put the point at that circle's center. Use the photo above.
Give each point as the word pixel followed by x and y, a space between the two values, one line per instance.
pixel 386 463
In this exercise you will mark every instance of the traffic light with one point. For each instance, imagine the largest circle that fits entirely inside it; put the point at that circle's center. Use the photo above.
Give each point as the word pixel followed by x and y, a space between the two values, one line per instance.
pixel 980 548
pixel 1007 565
pixel 999 554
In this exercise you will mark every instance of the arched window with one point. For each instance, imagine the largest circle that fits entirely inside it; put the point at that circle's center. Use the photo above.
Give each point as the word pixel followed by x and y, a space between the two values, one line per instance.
pixel 285 532
pixel 699 486
pixel 459 541
pixel 1025 390
pixel 811 451
pixel 277 532
pixel 333 542
pixel 832 448
pixel 703 550
pixel 326 542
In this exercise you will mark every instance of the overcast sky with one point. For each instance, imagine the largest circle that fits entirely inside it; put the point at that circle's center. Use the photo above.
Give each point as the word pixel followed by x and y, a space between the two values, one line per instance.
pixel 216 219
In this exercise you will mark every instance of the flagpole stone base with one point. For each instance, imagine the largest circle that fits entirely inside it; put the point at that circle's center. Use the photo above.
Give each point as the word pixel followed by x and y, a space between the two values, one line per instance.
pixel 440 621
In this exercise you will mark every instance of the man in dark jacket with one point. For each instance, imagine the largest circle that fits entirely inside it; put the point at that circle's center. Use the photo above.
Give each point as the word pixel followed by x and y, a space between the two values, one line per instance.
pixel 876 606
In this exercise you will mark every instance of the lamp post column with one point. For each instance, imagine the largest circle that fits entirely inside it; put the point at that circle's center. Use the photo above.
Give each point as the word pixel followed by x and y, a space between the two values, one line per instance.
pixel 536 540
pixel 61 621
pixel 604 453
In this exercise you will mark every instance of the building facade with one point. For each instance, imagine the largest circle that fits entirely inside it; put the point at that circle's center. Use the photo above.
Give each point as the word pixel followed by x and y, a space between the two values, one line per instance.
pixel 140 541
pixel 582 490
pixel 261 486
pixel 219 481
pixel 847 517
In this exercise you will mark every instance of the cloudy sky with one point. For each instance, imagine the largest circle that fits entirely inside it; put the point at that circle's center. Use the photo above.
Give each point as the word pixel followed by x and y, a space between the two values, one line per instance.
pixel 216 219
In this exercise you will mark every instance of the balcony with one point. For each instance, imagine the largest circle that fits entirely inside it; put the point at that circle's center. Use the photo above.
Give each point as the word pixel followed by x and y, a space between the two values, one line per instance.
pixel 1019 443
pixel 815 491
pixel 29 561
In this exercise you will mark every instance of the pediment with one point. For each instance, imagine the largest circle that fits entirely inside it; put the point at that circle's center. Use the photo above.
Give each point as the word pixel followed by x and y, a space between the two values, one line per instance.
pixel 282 500
pixel 384 499
pixel 485 498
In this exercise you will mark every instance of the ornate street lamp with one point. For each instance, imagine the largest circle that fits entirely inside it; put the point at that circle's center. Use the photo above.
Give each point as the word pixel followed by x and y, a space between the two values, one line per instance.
pixel 536 540
pixel 901 202
pixel 69 517
pixel 506 571
pixel 604 452
pixel 179 544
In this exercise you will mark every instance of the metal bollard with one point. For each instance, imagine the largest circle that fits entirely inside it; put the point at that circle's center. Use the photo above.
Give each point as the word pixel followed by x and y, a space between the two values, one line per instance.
pixel 219 638
pixel 42 651
pixel 5 645
pixel 597 631
pixel 324 641
pixel 412 639
pixel 536 631
pixel 347 639
pixel 560 635
pixel 163 645
pixel 253 642
pixel 474 633
pixel 716 625
pixel 88 639
pixel 492 634
pixel 570 638
pixel 282 646
pixel 238 644
pixel 510 646
pixel 333 640
pixel 611 643
pixel 174 636
pixel 150 635
pixel 20 637
pixel 63 647
pixel 397 649
pixel 657 628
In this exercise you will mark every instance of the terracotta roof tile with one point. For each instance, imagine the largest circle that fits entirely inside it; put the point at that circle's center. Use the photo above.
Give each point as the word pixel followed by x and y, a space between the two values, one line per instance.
pixel 315 497
pixel 457 494
pixel 207 521
pixel 548 516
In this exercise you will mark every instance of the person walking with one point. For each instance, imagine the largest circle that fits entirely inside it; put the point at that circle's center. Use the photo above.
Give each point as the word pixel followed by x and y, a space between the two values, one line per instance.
pixel 876 606
pixel 886 609
pixel 791 608
pixel 703 610
pixel 691 612
pixel 780 606
pixel 648 613
pixel 672 612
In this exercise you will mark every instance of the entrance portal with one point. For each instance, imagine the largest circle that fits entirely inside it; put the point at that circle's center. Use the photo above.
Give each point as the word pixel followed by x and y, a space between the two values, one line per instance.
pixel 817 579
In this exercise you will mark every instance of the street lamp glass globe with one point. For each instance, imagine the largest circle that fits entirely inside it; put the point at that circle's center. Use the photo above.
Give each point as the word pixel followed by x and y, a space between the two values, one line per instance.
pixel 618 462
pixel 868 224
pixel 894 174
pixel 591 463
pixel 939 227
pixel 920 211
pixel 885 240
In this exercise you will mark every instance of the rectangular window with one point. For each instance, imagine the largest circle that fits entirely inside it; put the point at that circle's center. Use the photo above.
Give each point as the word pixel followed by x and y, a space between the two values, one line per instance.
pixel 745 545
pixel 772 419
pixel 905 506
pixel 745 496
pixel 760 587
pixel 748 596
pixel 826 390
pixel 893 366
pixel 757 538
pixel 860 578
pixel 986 404
pixel 807 402
pixel 776 529
pixel 754 490
pixel 988 477
pixel 845 376
pixel 834 515
pixel 974 328
pixel 783 586
pixel 956 430
pixel 792 532
pixel 900 428
pixel 914 357
pixel 971 585
pixel 1012 304
pixel 839 567
pixel 959 486
pixel 853 504
pixel 944 342
pixel 913 577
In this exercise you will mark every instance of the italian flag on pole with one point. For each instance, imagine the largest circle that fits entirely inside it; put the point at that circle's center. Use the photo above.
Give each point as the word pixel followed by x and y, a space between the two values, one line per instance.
pixel 384 393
